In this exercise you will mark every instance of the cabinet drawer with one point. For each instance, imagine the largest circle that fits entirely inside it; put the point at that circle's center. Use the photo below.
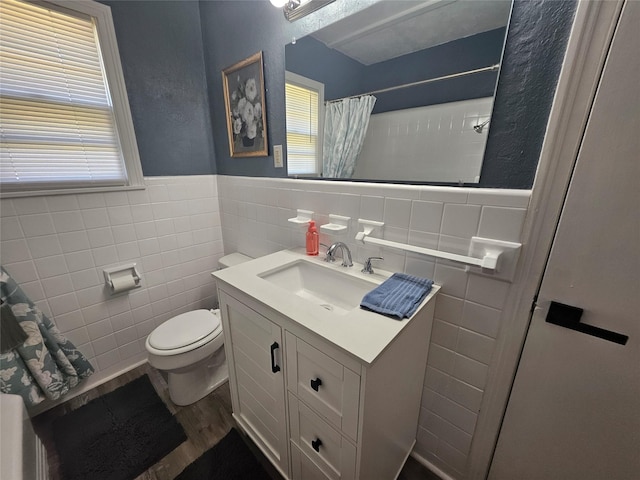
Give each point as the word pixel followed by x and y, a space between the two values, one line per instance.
pixel 324 446
pixel 303 468
pixel 326 385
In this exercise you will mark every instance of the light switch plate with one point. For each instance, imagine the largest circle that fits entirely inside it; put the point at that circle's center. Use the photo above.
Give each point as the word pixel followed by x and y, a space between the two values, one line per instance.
pixel 277 156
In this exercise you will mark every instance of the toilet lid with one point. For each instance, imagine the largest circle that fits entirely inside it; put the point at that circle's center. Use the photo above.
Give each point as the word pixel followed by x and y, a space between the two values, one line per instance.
pixel 184 329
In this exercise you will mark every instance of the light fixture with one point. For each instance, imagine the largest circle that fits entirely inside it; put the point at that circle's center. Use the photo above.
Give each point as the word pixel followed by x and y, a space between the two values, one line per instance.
pixel 295 9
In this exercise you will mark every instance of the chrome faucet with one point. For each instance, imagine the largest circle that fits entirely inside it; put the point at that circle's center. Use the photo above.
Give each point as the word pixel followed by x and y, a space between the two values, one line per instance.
pixel 346 254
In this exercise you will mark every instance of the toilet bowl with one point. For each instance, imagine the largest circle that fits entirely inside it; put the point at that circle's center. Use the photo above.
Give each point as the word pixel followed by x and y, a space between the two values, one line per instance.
pixel 190 348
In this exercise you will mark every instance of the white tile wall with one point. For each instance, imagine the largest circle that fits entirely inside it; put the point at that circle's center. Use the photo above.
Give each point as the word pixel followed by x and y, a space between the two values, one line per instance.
pixel 56 246
pixel 468 310
pixel 437 141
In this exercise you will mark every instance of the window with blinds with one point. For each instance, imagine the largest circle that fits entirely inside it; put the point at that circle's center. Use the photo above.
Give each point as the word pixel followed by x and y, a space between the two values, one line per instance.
pixel 304 105
pixel 57 121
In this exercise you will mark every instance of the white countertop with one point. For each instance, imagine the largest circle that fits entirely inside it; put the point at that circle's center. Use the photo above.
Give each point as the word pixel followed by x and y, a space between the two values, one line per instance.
pixel 361 333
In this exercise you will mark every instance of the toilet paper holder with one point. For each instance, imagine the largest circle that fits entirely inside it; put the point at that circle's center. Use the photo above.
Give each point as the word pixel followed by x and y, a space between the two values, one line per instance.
pixel 122 278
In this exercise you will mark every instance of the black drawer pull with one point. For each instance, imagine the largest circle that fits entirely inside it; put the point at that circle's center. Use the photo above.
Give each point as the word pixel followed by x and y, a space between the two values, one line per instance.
pixel 569 317
pixel 274 368
pixel 316 444
pixel 316 383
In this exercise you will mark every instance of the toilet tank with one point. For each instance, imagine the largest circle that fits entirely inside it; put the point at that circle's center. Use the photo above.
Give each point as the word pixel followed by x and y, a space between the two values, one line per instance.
pixel 232 259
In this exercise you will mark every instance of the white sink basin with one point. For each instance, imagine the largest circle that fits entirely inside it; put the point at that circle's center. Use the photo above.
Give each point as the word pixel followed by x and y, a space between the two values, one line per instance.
pixel 332 289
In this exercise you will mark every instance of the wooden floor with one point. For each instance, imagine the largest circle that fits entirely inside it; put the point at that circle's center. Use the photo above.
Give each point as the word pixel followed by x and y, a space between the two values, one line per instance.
pixel 205 422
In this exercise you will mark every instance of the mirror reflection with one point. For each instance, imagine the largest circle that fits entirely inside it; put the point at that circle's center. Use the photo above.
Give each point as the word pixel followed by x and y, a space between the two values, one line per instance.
pixel 400 91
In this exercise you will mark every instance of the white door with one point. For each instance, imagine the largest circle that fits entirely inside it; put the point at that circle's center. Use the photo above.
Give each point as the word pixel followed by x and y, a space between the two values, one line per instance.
pixel 574 411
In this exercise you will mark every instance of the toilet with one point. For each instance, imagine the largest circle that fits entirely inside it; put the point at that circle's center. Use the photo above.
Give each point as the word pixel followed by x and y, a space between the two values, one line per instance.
pixel 190 348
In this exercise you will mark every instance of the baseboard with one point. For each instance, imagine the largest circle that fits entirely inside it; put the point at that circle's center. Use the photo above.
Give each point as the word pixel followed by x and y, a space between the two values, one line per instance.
pixel 92 382
pixel 420 459
pixel 413 444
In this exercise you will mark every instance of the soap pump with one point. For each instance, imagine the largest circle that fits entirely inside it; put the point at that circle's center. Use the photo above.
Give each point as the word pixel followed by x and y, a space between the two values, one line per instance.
pixel 313 239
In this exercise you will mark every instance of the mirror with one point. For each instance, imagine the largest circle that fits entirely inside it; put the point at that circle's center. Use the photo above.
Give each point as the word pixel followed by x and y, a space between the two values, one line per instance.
pixel 432 66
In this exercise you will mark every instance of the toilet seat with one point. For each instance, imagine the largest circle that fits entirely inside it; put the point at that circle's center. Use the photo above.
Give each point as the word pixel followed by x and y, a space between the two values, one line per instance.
pixel 185 332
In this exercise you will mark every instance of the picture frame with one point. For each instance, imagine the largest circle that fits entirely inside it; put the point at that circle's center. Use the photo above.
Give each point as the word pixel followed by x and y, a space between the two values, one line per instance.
pixel 245 109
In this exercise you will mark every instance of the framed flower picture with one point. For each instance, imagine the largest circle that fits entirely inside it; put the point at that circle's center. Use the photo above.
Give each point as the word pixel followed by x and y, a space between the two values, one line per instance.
pixel 243 85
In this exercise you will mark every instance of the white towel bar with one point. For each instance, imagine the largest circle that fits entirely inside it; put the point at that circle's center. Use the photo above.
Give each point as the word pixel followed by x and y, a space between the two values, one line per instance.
pixel 489 261
pixel 492 256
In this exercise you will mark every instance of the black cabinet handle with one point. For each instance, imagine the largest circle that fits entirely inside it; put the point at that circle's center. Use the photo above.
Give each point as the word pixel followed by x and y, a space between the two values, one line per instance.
pixel 316 444
pixel 316 383
pixel 274 368
pixel 569 317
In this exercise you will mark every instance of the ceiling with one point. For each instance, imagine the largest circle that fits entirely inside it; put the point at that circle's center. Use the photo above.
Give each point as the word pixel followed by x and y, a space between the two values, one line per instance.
pixel 391 28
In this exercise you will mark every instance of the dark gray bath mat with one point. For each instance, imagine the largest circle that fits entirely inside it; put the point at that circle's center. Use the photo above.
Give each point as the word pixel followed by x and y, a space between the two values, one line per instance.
pixel 229 459
pixel 116 436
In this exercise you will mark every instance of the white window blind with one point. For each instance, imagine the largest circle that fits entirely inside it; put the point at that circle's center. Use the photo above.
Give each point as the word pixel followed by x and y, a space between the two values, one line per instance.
pixel 303 104
pixel 57 124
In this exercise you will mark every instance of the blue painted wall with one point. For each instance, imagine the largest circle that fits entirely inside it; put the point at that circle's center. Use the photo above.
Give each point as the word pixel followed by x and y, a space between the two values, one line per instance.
pixel 536 42
pixel 160 45
pixel 344 76
pixel 532 60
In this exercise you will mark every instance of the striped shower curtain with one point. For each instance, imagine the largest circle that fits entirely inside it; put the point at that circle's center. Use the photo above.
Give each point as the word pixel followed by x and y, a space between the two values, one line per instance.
pixel 345 126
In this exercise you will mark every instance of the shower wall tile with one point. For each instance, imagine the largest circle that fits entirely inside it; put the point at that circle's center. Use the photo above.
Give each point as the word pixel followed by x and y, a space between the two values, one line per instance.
pixel 56 247
pixel 437 140
pixel 469 307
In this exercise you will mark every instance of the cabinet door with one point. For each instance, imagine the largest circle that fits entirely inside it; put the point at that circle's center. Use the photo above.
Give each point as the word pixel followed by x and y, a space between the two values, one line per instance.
pixel 257 378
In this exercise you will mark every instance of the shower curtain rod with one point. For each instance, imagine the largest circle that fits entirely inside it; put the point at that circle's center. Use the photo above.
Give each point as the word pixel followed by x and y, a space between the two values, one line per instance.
pixel 490 68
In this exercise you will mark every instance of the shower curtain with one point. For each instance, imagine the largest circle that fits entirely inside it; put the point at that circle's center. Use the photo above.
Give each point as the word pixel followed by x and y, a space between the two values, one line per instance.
pixel 46 365
pixel 345 126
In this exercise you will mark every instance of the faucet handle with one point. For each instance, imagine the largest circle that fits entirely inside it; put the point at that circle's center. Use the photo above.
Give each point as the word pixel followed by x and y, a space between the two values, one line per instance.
pixel 367 265
pixel 328 254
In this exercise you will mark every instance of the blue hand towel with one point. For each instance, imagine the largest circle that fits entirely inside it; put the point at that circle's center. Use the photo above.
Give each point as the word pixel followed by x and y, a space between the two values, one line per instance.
pixel 399 296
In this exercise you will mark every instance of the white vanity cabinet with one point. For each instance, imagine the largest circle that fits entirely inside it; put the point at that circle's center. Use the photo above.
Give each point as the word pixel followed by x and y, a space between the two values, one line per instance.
pixel 253 346
pixel 316 411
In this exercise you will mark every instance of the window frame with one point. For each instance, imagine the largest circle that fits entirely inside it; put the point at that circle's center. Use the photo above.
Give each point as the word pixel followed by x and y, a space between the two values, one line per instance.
pixel 308 83
pixel 123 120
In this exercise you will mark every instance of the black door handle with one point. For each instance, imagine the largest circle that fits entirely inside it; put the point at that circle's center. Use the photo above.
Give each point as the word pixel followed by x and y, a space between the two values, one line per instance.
pixel 316 444
pixel 274 368
pixel 316 383
pixel 569 317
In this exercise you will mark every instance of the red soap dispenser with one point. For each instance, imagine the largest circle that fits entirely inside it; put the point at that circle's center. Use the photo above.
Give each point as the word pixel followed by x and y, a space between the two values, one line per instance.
pixel 313 239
